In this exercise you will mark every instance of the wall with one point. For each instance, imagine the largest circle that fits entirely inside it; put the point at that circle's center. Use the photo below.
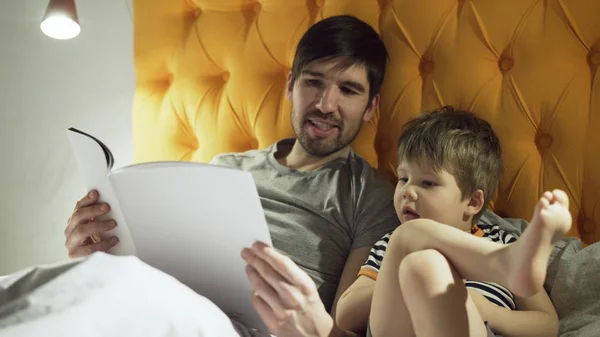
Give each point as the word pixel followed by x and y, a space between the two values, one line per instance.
pixel 46 86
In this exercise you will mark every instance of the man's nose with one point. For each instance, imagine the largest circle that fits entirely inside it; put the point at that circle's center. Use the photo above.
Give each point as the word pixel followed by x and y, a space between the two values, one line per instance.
pixel 328 101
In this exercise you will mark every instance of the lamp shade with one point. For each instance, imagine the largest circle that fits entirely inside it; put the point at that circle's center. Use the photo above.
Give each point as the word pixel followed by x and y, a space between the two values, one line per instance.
pixel 60 21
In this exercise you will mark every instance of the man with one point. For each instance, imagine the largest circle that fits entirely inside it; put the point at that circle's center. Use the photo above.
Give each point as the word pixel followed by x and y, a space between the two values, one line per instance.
pixel 313 188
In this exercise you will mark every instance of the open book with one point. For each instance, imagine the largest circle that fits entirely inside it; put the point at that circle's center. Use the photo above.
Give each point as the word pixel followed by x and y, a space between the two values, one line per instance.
pixel 190 220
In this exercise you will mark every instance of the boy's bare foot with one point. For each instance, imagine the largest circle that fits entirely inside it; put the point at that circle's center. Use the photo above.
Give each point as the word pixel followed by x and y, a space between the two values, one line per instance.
pixel 550 222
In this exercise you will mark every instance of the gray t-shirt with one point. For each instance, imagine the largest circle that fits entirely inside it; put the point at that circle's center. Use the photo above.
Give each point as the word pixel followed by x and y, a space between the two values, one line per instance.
pixel 318 217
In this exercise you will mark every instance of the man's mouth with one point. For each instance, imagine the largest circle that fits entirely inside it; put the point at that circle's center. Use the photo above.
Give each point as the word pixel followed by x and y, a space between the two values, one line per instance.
pixel 321 125
pixel 320 128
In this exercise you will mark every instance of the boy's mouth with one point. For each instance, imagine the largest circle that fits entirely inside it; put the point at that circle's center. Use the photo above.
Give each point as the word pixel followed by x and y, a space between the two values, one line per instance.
pixel 409 214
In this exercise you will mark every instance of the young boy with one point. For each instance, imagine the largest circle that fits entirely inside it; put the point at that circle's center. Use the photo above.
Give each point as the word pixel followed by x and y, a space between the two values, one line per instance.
pixel 449 166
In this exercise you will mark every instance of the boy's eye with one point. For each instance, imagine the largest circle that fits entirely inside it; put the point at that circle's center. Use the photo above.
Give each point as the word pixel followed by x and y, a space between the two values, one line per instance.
pixel 428 183
pixel 402 180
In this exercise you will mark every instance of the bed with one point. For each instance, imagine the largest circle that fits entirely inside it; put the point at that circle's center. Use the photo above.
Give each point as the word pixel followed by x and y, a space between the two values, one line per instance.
pixel 210 78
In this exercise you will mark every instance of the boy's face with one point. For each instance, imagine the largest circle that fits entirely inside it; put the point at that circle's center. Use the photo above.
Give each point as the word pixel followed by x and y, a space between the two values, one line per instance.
pixel 423 193
pixel 329 106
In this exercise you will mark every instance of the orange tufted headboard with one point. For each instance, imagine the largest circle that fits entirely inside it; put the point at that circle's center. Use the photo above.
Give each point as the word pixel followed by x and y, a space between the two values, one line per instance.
pixel 211 79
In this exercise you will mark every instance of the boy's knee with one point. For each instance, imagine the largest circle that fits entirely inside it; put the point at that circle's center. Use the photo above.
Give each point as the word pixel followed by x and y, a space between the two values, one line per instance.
pixel 411 235
pixel 420 267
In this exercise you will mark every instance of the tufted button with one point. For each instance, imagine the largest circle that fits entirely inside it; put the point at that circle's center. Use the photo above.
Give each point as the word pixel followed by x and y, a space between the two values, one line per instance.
pixel 506 63
pixel 170 78
pixel 426 66
pixel 197 12
pixel 257 7
pixel 225 76
pixel 254 144
pixel 385 145
pixel 594 58
pixel 320 3
pixel 588 226
pixel 545 140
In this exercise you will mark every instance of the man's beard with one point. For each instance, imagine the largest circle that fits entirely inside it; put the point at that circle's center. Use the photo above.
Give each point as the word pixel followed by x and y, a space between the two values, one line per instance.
pixel 319 147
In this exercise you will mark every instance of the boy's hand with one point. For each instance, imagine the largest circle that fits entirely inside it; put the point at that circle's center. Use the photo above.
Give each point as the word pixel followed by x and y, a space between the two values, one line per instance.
pixel 486 308
pixel 285 297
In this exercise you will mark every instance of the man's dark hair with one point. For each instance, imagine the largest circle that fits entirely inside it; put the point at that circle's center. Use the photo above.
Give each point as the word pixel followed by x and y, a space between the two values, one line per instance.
pixel 347 38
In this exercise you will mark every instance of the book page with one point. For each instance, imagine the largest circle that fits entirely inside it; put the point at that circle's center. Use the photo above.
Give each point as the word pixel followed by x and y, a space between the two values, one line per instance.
pixel 191 221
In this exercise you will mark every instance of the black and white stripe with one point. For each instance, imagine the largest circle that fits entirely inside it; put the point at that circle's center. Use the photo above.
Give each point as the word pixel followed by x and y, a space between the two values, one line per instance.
pixel 377 252
pixel 495 234
pixel 494 292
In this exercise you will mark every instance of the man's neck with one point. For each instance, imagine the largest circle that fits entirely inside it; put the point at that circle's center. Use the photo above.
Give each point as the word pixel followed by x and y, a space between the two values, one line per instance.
pixel 300 160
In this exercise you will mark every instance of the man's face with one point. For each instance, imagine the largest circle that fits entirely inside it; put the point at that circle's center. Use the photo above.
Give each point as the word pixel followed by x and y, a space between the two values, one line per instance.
pixel 329 106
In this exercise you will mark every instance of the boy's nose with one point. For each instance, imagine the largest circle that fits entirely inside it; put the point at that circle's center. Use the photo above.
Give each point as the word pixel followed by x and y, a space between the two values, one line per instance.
pixel 409 193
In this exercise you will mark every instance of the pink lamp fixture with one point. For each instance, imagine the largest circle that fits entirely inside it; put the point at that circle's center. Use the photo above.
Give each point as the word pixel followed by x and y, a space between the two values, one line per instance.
pixel 60 21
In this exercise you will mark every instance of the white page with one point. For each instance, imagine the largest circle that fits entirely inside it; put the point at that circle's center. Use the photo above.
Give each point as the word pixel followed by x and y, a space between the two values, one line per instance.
pixel 93 167
pixel 191 221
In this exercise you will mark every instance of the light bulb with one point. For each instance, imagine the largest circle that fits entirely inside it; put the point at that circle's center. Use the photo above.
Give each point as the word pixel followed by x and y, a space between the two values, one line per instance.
pixel 60 21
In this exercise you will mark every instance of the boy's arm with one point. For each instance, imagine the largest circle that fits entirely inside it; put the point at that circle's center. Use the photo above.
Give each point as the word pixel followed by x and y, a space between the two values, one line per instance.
pixel 348 277
pixel 355 304
pixel 535 316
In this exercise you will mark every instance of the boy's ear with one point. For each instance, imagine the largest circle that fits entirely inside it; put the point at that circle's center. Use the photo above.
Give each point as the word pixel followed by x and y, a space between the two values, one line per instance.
pixel 475 203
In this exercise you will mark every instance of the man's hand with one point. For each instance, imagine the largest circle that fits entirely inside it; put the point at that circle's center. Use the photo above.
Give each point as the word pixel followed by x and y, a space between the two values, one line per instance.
pixel 82 231
pixel 285 297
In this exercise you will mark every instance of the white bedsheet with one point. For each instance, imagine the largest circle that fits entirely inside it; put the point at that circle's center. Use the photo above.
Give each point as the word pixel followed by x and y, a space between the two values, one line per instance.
pixel 105 295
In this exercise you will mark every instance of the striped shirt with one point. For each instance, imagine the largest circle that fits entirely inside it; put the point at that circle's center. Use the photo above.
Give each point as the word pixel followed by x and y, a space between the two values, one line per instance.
pixel 495 293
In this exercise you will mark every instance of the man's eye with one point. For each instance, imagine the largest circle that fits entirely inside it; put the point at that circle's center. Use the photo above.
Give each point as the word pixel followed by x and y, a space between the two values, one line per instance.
pixel 313 82
pixel 348 91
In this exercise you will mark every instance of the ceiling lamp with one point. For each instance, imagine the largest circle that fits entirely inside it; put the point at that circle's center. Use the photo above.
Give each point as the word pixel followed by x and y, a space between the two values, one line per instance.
pixel 60 21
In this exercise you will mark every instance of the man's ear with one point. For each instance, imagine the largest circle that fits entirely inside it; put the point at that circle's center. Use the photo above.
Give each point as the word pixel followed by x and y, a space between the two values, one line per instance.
pixel 289 87
pixel 371 108
pixel 475 203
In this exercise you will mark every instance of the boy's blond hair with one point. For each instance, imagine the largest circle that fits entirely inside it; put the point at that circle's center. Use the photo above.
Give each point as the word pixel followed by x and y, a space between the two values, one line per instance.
pixel 456 141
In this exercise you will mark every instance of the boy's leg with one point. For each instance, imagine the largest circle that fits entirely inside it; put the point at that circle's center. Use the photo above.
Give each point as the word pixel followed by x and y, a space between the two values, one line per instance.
pixel 422 296
pixel 389 315
pixel 437 298
pixel 521 266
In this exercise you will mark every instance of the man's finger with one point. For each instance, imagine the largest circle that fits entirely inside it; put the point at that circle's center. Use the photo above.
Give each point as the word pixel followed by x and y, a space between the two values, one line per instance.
pixel 84 214
pixel 266 314
pixel 84 231
pixel 101 246
pixel 288 296
pixel 267 293
pixel 87 199
pixel 285 267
